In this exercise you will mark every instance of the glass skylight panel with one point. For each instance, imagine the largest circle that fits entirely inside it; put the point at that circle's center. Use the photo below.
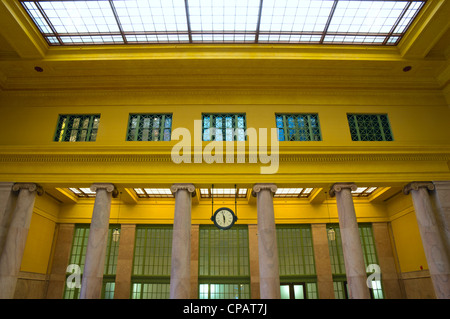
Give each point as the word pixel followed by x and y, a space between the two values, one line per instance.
pixel 82 192
pixel 368 22
pixel 223 192
pixel 293 192
pixel 153 192
pixel 363 191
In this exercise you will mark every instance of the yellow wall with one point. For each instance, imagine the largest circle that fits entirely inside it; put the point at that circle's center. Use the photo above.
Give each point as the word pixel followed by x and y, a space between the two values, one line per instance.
pixel 407 240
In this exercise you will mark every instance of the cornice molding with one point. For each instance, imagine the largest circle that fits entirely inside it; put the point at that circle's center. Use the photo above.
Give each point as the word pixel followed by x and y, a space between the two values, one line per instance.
pixel 166 158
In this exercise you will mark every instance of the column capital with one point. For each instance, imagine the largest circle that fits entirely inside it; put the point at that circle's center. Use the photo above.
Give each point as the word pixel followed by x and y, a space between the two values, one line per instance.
pixel 340 186
pixel 259 187
pixel 416 185
pixel 29 186
pixel 186 186
pixel 110 188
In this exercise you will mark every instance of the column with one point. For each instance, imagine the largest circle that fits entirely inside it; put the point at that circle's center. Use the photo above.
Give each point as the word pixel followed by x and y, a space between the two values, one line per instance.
pixel 125 256
pixel 7 203
pixel 91 284
pixel 267 242
pixel 441 201
pixel 16 238
pixel 351 242
pixel 433 243
pixel 323 263
pixel 180 274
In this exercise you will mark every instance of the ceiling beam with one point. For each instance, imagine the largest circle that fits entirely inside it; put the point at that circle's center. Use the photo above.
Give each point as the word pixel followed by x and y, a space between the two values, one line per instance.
pixel 20 33
pixel 429 27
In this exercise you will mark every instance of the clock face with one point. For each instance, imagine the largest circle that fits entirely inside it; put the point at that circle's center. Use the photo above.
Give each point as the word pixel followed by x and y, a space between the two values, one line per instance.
pixel 224 218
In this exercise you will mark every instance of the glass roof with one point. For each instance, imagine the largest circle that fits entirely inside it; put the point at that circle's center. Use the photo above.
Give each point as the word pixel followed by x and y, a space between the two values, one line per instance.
pixel 74 22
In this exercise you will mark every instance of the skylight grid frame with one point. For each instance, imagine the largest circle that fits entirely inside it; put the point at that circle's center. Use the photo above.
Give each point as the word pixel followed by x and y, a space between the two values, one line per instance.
pixel 345 22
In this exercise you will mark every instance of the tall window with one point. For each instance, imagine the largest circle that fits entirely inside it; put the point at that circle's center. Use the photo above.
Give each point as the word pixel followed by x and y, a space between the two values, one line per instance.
pixel 369 127
pixel 298 127
pixel 223 127
pixel 78 255
pixel 77 128
pixel 224 270
pixel 151 264
pixel 338 265
pixel 296 262
pixel 149 127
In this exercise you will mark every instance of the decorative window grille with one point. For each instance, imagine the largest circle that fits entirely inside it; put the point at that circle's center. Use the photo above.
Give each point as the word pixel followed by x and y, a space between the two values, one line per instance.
pixel 298 127
pixel 149 127
pixel 224 270
pixel 223 127
pixel 338 265
pixel 152 260
pixel 77 128
pixel 78 255
pixel 296 262
pixel 369 127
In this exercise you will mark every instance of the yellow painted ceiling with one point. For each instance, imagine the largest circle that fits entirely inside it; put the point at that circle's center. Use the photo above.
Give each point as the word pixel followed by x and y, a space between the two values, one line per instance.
pixel 425 48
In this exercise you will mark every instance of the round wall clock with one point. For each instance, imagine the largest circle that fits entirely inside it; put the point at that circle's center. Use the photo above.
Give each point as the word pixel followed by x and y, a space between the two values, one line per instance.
pixel 224 218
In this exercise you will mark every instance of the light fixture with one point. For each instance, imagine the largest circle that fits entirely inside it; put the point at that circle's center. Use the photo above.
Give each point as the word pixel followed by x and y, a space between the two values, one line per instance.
pixel 330 232
pixel 116 231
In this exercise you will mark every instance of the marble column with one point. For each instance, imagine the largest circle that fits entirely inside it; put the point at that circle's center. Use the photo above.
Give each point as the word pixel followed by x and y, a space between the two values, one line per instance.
pixel 7 203
pixel 16 237
pixel 180 274
pixel 441 201
pixel 91 284
pixel 351 242
pixel 267 242
pixel 432 240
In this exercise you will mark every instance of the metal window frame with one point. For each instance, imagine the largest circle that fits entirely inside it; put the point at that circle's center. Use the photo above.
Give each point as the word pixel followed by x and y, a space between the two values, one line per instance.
pixel 390 38
pixel 205 275
pixel 223 129
pixel 352 119
pixel 140 126
pixel 311 136
pixel 64 127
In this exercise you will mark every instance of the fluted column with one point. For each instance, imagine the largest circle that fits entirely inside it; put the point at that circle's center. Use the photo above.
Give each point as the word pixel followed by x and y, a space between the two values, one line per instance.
pixel 267 242
pixel 180 275
pixel 16 237
pixel 351 242
pixel 433 243
pixel 91 284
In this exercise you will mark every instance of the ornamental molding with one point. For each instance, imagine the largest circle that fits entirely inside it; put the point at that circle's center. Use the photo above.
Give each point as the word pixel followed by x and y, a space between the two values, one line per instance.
pixel 166 158
pixel 338 187
pixel 416 185
pixel 183 186
pixel 262 186
pixel 31 187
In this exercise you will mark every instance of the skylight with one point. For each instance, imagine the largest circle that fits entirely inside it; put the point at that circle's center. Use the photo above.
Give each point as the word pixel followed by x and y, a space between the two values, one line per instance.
pixel 72 22
pixel 223 192
pixel 363 191
pixel 83 192
pixel 293 192
pixel 153 192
